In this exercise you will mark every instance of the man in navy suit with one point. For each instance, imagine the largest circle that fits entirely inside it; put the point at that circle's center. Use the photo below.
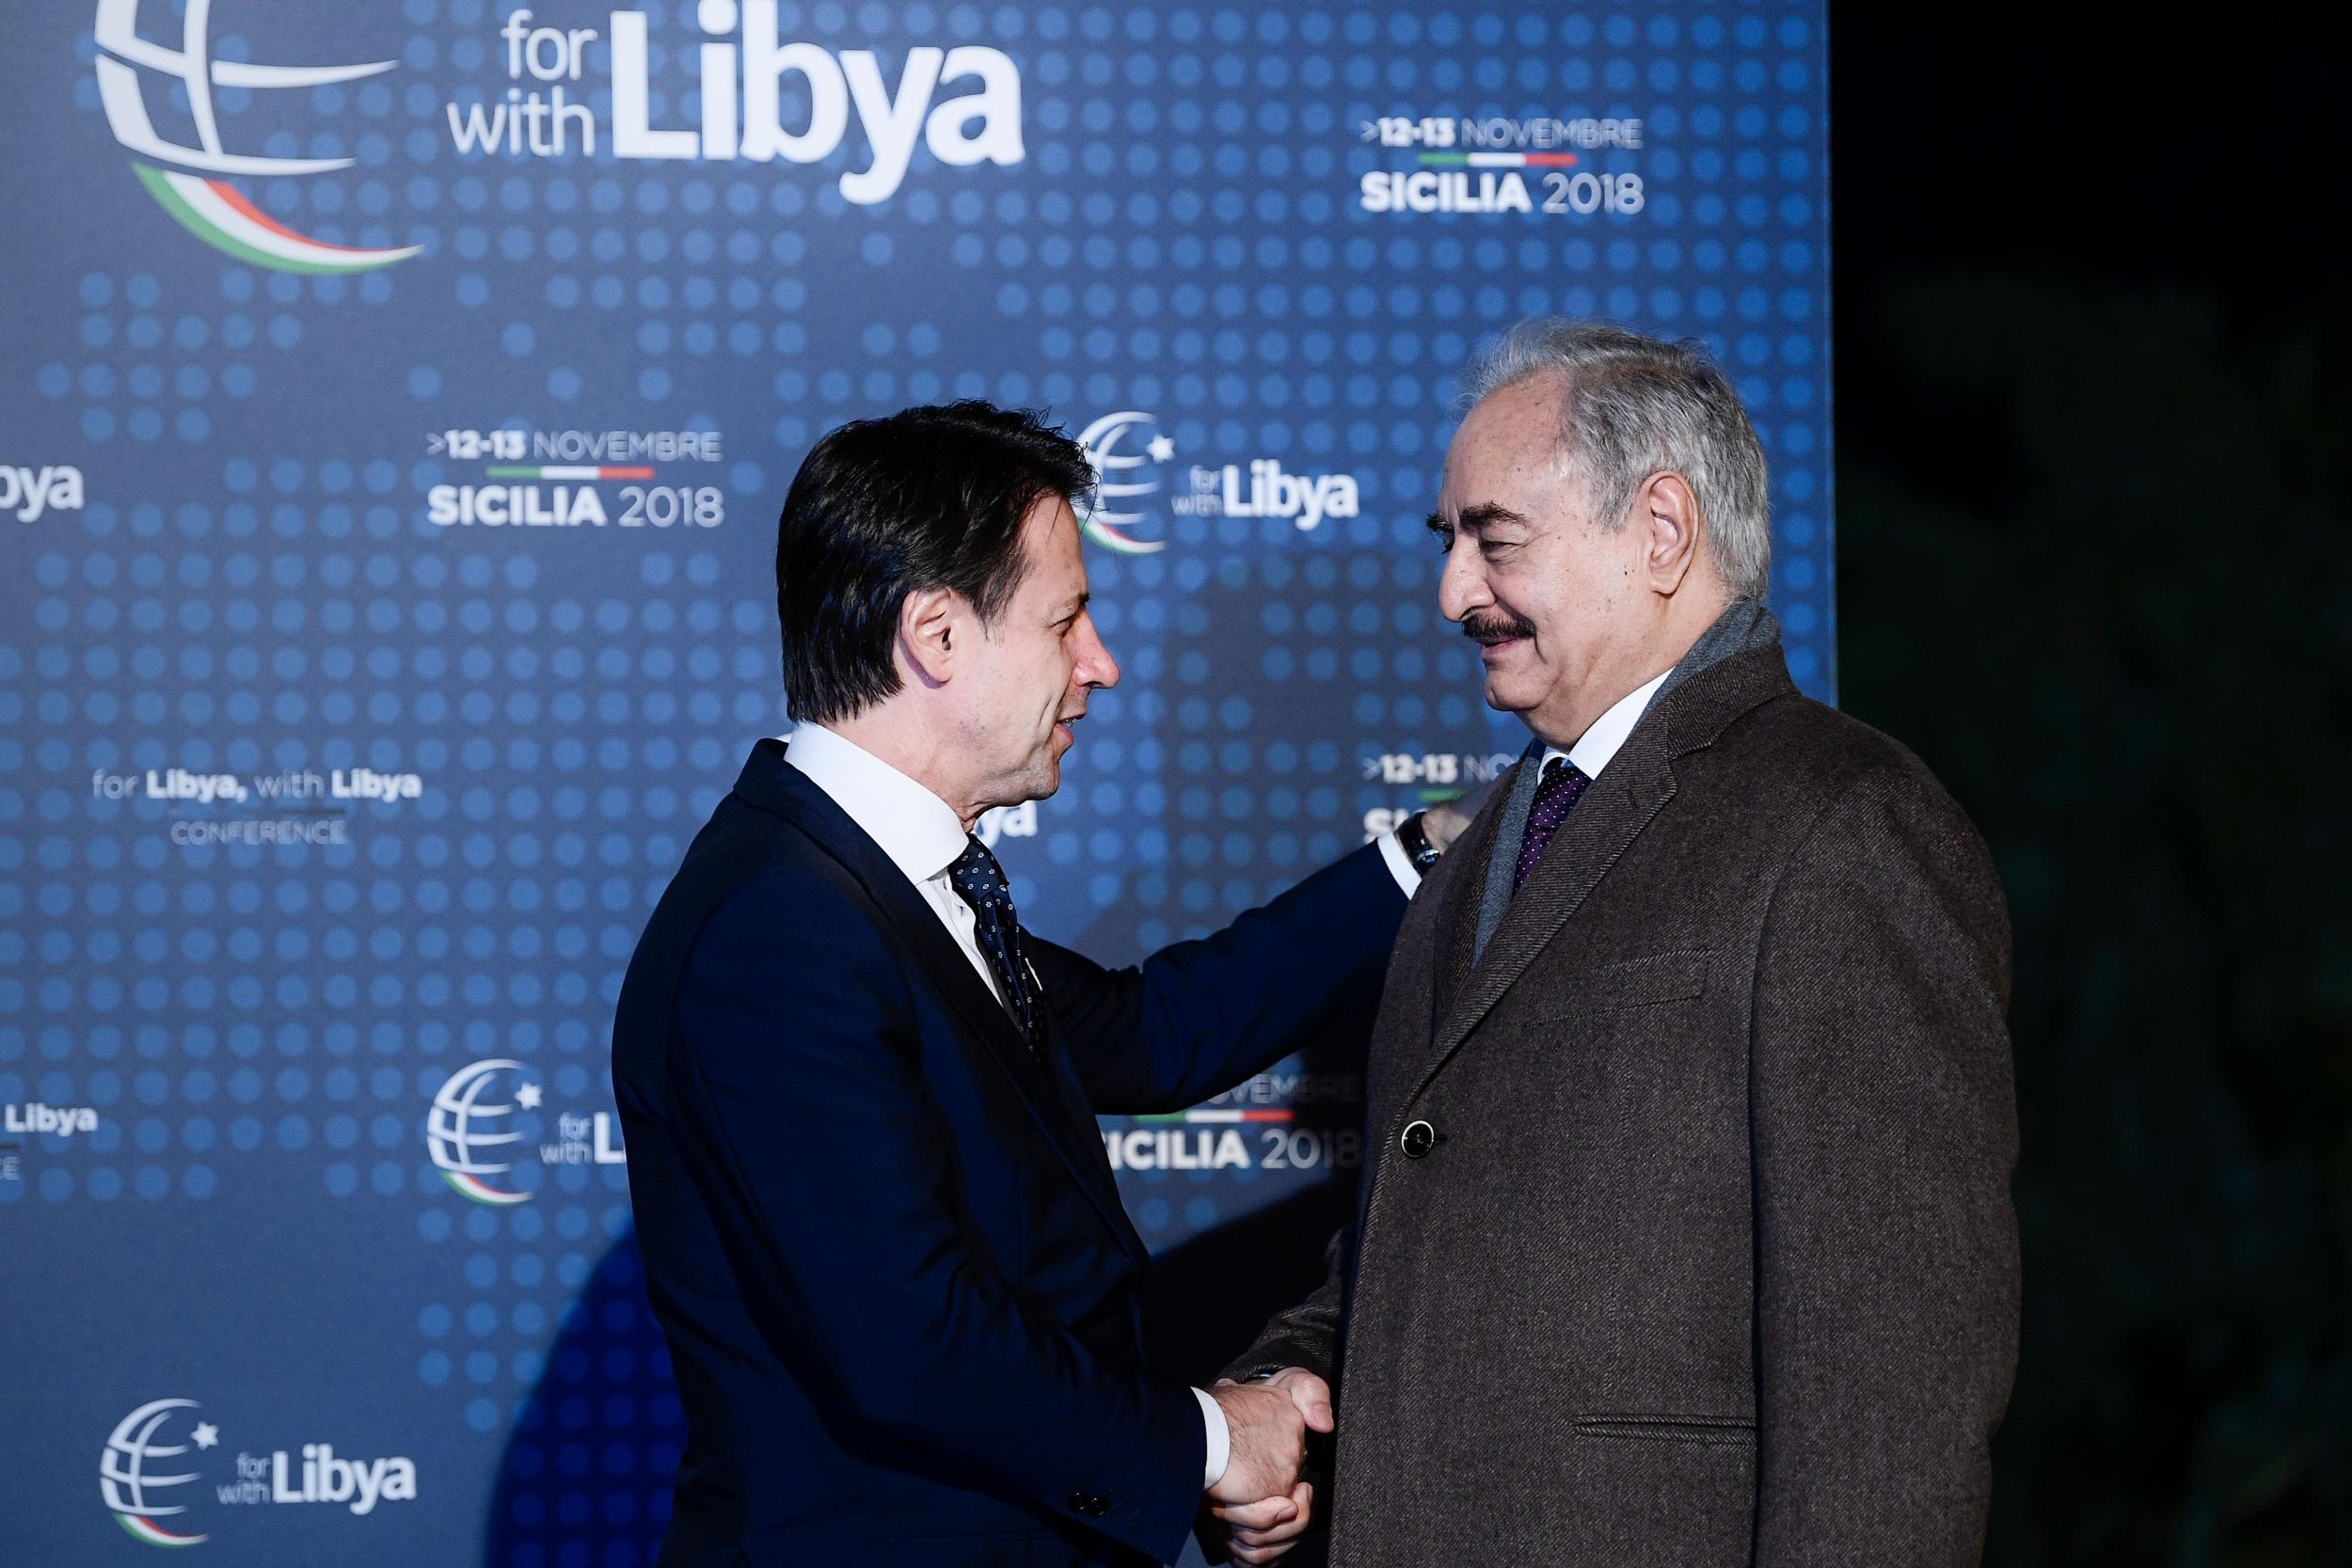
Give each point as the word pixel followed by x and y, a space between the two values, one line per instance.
pixel 902 1298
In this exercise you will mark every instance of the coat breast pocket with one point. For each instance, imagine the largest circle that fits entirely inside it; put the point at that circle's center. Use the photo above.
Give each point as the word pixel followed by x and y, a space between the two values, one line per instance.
pixel 1580 1025
pixel 1632 1084
pixel 1652 980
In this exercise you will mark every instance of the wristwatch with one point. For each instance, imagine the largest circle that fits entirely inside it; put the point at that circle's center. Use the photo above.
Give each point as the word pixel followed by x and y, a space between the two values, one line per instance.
pixel 1413 839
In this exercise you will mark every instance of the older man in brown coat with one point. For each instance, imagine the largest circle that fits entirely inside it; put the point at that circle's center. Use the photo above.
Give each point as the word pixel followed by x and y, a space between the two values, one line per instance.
pixel 1687 1239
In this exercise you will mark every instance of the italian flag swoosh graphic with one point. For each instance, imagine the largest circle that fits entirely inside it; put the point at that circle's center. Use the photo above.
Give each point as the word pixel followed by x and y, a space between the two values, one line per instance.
pixel 154 1534
pixel 1110 538
pixel 218 214
pixel 481 1191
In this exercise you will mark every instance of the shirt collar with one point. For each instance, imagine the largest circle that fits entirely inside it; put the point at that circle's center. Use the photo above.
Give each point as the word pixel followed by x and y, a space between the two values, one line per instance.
pixel 1598 744
pixel 918 830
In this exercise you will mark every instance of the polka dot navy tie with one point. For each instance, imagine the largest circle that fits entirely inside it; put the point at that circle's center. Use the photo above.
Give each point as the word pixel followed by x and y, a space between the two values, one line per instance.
pixel 981 880
pixel 1556 795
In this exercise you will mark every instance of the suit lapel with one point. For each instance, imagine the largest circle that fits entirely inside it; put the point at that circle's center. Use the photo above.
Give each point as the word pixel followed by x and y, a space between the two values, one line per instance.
pixel 771 784
pixel 1624 801
pixel 1087 1161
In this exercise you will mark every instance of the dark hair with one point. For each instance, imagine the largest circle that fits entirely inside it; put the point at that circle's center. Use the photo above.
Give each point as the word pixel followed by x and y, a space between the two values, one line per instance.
pixel 925 497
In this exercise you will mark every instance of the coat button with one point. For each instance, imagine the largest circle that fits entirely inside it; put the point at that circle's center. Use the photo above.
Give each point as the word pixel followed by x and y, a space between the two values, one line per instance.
pixel 1418 1139
pixel 1078 1501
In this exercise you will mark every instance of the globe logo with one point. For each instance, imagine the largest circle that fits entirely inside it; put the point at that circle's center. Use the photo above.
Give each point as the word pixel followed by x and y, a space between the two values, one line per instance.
pixel 462 1127
pixel 130 1490
pixel 212 209
pixel 1114 514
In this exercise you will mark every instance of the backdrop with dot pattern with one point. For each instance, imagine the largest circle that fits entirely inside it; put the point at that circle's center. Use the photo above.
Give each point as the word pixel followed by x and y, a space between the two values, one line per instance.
pixel 399 400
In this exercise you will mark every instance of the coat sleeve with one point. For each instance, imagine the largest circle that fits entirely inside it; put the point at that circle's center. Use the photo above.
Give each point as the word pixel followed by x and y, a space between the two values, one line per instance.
pixel 1884 1131
pixel 1307 1334
pixel 1313 1334
pixel 802 1120
pixel 1199 1017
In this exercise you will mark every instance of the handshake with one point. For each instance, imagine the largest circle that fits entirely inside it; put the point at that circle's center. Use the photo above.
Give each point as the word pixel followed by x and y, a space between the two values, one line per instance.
pixel 1260 1503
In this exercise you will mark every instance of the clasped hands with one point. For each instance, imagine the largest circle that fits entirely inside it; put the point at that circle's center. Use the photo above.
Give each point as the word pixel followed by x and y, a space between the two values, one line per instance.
pixel 1261 1501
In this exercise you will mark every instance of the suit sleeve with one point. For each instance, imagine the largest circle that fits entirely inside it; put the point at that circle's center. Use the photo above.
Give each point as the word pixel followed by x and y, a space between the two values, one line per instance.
pixel 1884 1131
pixel 807 1126
pixel 1199 1017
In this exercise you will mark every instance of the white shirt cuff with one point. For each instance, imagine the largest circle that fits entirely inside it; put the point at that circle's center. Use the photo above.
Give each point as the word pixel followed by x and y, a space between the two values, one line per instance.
pixel 1400 864
pixel 1220 1438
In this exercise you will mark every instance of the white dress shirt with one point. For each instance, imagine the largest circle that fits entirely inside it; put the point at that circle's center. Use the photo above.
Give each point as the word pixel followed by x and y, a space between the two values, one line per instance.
pixel 1594 748
pixel 918 830
pixel 923 837
pixel 1590 754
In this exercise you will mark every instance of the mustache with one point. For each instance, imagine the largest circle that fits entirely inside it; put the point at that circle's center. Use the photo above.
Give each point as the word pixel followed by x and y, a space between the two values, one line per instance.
pixel 1496 627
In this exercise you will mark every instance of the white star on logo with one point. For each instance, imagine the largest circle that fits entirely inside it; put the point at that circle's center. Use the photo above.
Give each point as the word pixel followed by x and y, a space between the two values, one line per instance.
pixel 1161 448
pixel 206 1434
pixel 528 1097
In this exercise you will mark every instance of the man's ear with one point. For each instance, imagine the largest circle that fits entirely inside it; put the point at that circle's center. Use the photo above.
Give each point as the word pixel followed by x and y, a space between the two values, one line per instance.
pixel 934 626
pixel 1667 514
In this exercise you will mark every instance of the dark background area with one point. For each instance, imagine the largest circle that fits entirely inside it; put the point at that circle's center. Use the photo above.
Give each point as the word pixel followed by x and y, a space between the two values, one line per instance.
pixel 2093 409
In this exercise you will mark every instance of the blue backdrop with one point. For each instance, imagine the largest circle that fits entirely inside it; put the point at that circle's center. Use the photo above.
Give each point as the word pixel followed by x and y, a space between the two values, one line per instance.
pixel 398 402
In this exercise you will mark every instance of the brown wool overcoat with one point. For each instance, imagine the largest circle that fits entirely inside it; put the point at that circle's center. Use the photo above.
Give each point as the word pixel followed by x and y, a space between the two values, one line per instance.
pixel 1709 1259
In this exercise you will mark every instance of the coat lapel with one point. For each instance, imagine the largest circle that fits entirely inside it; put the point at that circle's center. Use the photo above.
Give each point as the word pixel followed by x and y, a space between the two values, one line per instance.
pixel 1620 803
pixel 1624 801
pixel 1457 918
pixel 771 784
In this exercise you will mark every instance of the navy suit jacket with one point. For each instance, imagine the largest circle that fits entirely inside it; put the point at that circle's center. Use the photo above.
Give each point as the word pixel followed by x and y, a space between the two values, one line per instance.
pixel 901 1299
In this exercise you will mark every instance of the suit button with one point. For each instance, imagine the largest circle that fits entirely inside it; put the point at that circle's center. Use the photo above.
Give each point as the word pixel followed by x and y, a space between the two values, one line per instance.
pixel 1418 1139
pixel 1101 1506
pixel 1078 1501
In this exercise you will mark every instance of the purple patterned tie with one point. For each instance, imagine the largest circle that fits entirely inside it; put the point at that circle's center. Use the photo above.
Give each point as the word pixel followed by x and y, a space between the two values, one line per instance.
pixel 1556 794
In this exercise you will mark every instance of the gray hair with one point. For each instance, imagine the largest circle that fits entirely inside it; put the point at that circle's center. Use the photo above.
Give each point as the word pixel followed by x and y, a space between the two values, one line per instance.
pixel 1634 407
